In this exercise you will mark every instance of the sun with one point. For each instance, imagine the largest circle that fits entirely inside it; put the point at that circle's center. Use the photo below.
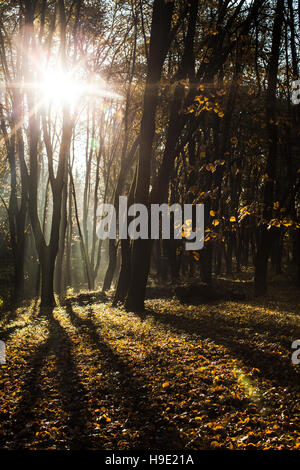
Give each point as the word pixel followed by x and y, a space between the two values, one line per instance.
pixel 60 87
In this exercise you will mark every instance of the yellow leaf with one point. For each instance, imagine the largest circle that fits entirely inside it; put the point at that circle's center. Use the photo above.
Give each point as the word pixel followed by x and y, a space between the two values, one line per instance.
pixel 165 384
pixel 210 167
pixel 212 213
pixel 232 219
pixel 214 444
pixel 107 419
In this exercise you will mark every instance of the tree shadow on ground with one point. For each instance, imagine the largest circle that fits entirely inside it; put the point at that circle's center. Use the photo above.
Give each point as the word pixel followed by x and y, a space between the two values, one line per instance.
pixel 4 335
pixel 71 393
pixel 12 312
pixel 129 390
pixel 232 324
pixel 224 331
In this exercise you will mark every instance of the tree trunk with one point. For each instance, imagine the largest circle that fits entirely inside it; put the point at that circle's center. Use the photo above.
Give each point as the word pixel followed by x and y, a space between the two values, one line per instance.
pixel 159 39
pixel 264 236
pixel 112 250
pixel 47 291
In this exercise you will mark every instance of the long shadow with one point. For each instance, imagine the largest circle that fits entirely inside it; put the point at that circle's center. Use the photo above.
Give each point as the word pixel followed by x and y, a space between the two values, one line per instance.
pixel 268 327
pixel 71 392
pixel 128 390
pixel 10 314
pixel 22 427
pixel 4 335
pixel 223 331
pixel 280 293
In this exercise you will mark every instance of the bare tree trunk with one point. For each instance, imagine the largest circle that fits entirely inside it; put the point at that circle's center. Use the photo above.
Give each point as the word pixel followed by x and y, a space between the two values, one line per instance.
pixel 265 236
pixel 47 253
pixel 141 251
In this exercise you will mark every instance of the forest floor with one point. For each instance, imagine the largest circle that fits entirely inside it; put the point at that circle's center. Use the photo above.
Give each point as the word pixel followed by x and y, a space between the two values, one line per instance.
pixel 217 375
